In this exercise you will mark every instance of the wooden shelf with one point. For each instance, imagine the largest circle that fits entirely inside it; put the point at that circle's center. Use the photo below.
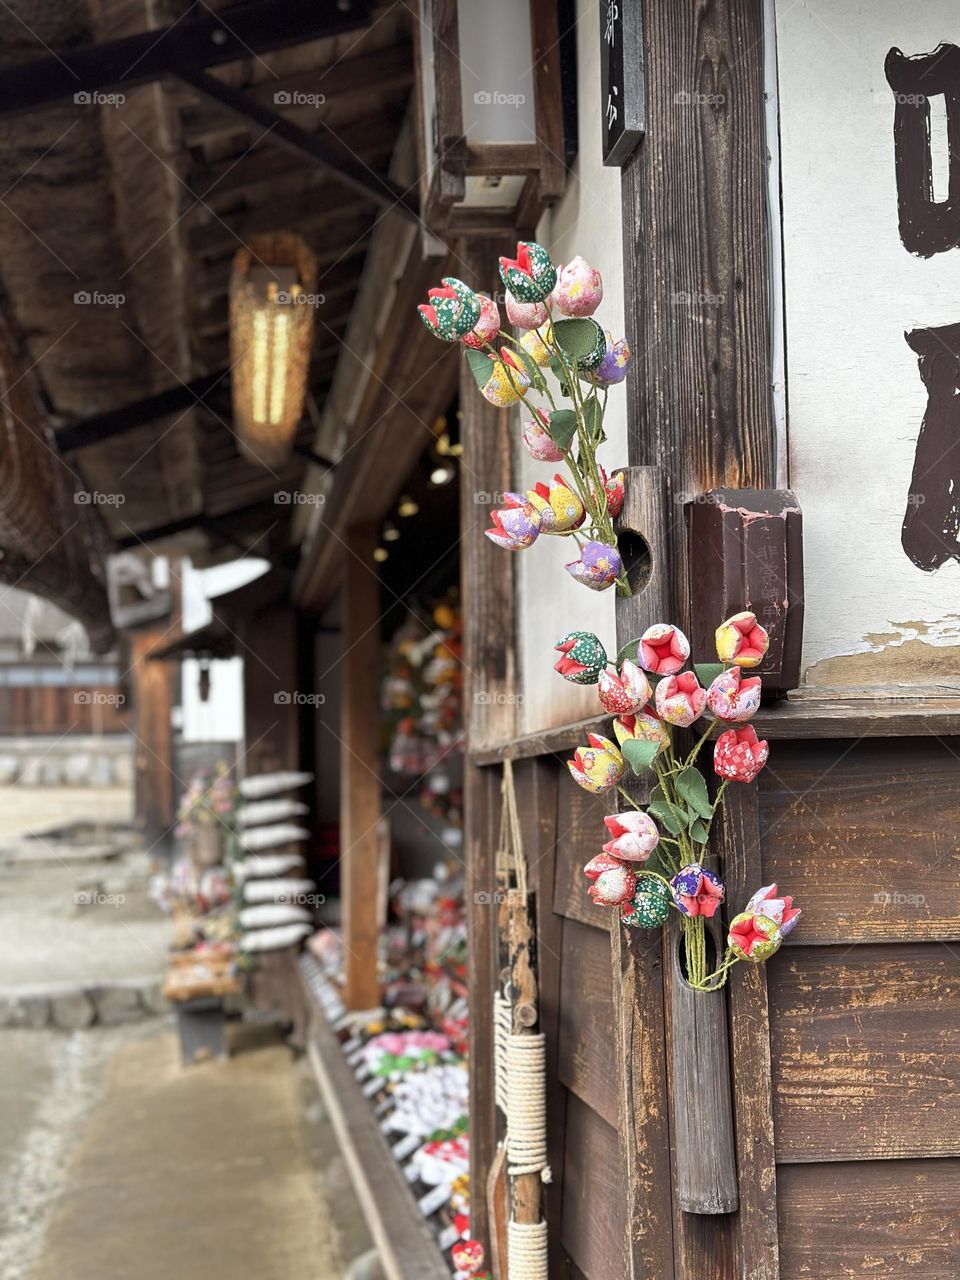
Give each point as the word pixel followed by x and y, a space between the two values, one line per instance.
pixel 404 1241
pixel 870 716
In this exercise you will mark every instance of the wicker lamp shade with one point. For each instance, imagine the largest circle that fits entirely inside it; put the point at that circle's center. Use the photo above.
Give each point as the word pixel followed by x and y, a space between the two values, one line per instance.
pixel 271 328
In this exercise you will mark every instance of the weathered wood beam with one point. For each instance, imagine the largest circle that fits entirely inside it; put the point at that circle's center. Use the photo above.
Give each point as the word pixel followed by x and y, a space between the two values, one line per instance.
pixel 381 71
pixel 116 422
pixel 341 162
pixel 194 42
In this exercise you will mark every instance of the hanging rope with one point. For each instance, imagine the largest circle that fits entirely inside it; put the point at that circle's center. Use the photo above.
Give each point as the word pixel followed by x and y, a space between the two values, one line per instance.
pixel 510 857
pixel 527 1246
pixel 527 1106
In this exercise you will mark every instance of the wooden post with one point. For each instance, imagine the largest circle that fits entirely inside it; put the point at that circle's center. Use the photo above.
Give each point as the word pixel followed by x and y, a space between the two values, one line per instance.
pixel 697 289
pixel 360 791
pixel 270 713
pixel 525 1187
pixel 153 686
pixel 489 712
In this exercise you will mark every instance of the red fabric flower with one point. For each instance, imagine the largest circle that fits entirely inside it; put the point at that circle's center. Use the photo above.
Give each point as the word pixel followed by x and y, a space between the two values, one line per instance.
pixel 739 755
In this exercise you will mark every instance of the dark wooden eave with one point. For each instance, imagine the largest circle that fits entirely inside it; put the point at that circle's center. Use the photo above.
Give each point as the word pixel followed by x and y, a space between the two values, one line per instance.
pixel 205 40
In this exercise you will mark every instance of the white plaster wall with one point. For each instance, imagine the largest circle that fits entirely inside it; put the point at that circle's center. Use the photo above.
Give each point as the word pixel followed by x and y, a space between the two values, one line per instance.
pixel 852 290
pixel 585 221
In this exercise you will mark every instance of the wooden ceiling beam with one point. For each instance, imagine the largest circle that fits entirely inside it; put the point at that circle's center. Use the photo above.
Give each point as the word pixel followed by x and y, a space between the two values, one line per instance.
pixel 191 43
pixel 325 214
pixel 333 156
pixel 116 422
pixel 386 70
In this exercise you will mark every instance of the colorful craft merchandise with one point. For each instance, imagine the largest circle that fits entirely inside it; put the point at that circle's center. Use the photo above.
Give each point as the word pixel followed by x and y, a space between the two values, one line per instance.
pixel 553 308
pixel 654 861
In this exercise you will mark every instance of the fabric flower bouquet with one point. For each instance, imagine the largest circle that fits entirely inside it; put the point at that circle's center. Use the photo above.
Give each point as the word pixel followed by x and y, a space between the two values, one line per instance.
pixel 554 307
pixel 653 861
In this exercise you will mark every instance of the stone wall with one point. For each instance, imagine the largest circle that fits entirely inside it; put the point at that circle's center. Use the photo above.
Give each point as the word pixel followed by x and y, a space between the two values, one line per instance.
pixel 79 760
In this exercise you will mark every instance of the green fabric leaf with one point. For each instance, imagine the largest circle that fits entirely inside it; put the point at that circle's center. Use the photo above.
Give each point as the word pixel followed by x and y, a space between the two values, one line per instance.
pixel 692 786
pixel 639 755
pixel 668 816
pixel 533 369
pixel 629 650
pixel 593 421
pixel 563 427
pixel 481 366
pixel 707 672
pixel 698 831
pixel 577 337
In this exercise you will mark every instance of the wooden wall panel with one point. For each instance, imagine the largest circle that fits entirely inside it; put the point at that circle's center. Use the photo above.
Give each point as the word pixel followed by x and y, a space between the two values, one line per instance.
pixel 593 1227
pixel 587 1062
pixel 865 1046
pixel 580 835
pixel 864 835
pixel 886 1219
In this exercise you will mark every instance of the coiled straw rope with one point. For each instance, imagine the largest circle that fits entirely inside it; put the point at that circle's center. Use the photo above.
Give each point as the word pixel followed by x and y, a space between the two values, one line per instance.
pixel 527 1106
pixel 502 1021
pixel 527 1246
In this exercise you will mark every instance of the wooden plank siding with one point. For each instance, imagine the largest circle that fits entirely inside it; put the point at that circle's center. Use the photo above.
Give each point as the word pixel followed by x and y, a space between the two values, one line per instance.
pixel 61 709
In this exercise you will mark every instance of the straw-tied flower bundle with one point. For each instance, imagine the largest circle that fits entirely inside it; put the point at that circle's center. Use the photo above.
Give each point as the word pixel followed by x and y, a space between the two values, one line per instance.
pixel 652 863
pixel 554 309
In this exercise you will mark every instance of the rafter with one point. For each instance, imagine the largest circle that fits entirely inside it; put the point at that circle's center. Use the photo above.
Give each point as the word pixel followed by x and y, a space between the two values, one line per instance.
pixel 341 162
pixel 194 42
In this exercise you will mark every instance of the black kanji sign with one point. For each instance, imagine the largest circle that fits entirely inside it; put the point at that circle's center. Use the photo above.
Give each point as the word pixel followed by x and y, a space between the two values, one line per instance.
pixel 621 78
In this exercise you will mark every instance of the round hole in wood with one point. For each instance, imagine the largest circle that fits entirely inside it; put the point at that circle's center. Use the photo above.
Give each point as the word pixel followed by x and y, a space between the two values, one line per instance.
pixel 637 560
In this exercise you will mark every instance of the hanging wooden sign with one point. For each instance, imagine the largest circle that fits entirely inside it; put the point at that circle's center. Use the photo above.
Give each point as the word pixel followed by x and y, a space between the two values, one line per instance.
pixel 621 78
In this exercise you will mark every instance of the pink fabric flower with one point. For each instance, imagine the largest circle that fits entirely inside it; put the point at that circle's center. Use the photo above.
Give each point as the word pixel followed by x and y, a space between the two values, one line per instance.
pixel 579 289
pixel 527 315
pixel 781 910
pixel 732 698
pixel 486 328
pixel 634 836
pixel 663 649
pixel 540 443
pixel 738 755
pixel 626 693
pixel 680 699
pixel 742 640
pixel 613 888
pixel 600 863
pixel 754 936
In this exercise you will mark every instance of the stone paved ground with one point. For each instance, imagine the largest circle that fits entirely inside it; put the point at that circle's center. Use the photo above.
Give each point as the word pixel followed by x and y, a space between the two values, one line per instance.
pixel 66 918
pixel 118 1164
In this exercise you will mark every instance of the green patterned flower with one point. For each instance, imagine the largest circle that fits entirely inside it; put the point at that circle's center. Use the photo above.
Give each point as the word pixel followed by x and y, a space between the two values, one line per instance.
pixel 452 311
pixel 530 276
pixel 582 657
pixel 650 906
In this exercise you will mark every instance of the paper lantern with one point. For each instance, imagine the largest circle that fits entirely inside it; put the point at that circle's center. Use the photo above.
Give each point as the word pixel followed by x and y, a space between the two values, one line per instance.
pixel 272 304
